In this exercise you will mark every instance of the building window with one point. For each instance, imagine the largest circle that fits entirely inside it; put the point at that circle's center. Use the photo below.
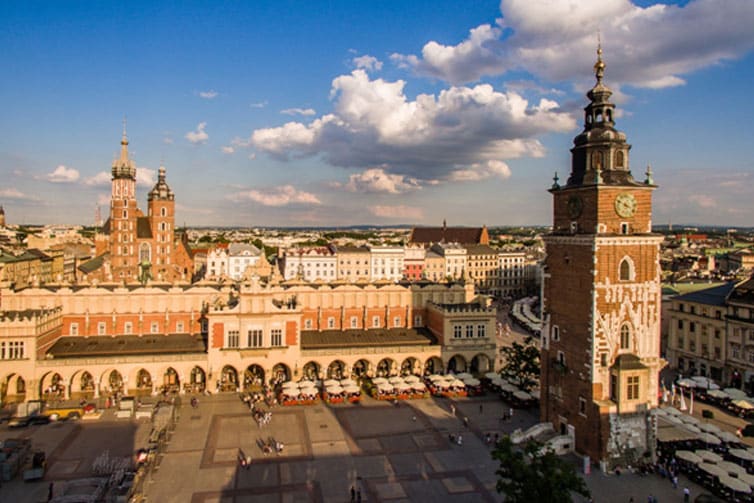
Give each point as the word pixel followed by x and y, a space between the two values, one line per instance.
pixel 555 333
pixel 625 336
pixel 233 338
pixel 74 329
pixel 469 331
pixel 481 331
pixel 128 328
pixel 603 359
pixel 276 335
pixel 308 324
pixel 397 321
pixel 254 338
pixel 330 322
pixel 163 212
pixel 375 322
pixel 633 388
pixel 624 228
pixel 680 323
pixel 457 331
pixel 155 327
pixel 354 322
pixel 179 327
pixel 417 321
pixel 582 406
pixel 626 270
pixel 101 328
pixel 692 327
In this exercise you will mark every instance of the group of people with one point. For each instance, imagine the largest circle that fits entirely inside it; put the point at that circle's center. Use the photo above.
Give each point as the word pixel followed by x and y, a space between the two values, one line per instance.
pixel 267 446
pixel 262 417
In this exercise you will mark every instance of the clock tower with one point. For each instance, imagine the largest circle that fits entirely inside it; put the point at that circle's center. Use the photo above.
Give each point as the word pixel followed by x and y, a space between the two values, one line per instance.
pixel 601 295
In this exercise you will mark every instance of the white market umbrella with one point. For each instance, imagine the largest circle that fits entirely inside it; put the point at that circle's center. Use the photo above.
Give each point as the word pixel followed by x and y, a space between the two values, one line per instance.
pixel 418 386
pixel 336 389
pixel 471 382
pixel 743 403
pixel 734 484
pixel 688 456
pixel 522 395
pixel 742 454
pixel 491 375
pixel 456 383
pixel 395 380
pixel 688 383
pixel 379 380
pixel 708 456
pixel 734 393
pixel 464 375
pixel 330 382
pixel 412 378
pixel 351 388
pixel 385 387
pixel 709 438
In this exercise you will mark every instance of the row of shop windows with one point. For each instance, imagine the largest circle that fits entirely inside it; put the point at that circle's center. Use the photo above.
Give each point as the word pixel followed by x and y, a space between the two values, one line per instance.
pixel 354 322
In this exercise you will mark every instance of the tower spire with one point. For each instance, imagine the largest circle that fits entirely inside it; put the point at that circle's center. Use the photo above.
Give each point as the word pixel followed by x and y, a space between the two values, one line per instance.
pixel 599 66
pixel 124 143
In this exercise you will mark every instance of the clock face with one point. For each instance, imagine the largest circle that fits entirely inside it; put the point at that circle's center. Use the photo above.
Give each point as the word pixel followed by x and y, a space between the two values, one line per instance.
pixel 575 205
pixel 625 205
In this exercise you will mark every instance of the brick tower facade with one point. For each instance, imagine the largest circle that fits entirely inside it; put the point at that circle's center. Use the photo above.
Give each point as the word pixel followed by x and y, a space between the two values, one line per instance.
pixel 132 247
pixel 601 296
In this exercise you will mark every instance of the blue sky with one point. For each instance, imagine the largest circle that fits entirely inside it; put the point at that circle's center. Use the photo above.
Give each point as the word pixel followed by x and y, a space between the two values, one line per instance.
pixel 338 113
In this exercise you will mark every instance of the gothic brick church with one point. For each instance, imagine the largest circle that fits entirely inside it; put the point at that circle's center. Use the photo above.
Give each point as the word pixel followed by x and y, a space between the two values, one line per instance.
pixel 132 247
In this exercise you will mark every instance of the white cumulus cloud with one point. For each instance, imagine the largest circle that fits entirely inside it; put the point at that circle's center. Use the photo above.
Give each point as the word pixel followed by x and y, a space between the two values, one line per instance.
pixel 651 46
pixel 208 95
pixel 62 174
pixel 100 179
pixel 299 111
pixel 377 180
pixel 145 177
pixel 14 193
pixel 400 212
pixel 468 61
pixel 374 123
pixel 283 195
pixel 367 62
pixel 227 149
pixel 481 171
pixel 199 136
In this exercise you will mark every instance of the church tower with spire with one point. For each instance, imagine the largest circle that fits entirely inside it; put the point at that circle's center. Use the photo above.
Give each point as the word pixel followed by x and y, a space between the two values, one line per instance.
pixel 123 214
pixel 132 247
pixel 161 212
pixel 601 295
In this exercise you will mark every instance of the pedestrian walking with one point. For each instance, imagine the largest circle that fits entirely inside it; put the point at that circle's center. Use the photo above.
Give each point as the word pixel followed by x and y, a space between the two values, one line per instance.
pixel 452 409
pixel 686 495
pixel 353 494
pixel 510 413
pixel 358 496
pixel 675 481
pixel 460 439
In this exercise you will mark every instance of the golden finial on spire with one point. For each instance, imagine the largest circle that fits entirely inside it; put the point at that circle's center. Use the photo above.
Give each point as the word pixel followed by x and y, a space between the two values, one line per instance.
pixel 599 66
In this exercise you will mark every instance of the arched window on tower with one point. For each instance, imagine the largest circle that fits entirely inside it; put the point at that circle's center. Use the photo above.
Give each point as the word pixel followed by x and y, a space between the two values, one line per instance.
pixel 145 253
pixel 619 159
pixel 163 212
pixel 626 270
pixel 596 160
pixel 625 336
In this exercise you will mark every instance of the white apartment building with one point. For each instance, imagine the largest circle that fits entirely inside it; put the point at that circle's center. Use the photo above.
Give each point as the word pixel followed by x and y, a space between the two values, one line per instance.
pixel 386 263
pixel 240 257
pixel 353 263
pixel 513 274
pixel 217 262
pixel 455 256
pixel 310 264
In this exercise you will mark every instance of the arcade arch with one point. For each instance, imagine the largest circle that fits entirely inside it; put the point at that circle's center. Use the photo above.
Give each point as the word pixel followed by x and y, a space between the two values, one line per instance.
pixel 433 365
pixel 253 378
pixel 362 368
pixel 336 370
pixel 457 364
pixel 480 364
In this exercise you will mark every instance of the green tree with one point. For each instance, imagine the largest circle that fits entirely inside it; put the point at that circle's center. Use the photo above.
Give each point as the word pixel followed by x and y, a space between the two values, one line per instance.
pixel 522 362
pixel 534 474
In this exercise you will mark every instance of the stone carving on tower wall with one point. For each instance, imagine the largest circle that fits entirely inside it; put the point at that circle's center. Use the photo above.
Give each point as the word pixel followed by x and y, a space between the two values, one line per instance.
pixel 639 305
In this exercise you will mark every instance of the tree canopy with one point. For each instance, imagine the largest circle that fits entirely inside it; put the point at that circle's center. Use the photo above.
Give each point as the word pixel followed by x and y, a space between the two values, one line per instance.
pixel 522 362
pixel 534 474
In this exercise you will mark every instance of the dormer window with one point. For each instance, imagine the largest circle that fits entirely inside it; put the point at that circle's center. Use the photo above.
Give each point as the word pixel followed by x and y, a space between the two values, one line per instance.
pixel 624 228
